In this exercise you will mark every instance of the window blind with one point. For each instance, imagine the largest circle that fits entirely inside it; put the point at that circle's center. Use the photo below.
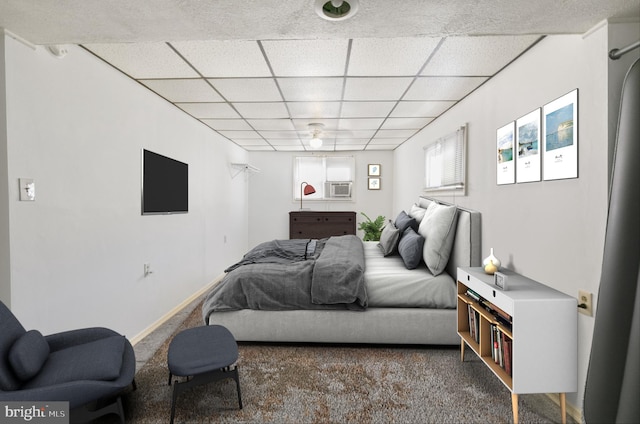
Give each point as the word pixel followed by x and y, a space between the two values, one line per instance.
pixel 445 162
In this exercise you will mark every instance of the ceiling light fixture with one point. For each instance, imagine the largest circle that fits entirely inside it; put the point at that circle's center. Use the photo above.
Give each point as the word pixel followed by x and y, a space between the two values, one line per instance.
pixel 316 130
pixel 336 10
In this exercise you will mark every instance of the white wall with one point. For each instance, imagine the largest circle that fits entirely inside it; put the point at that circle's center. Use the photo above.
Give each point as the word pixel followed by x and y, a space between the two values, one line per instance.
pixel 551 231
pixel 271 191
pixel 77 127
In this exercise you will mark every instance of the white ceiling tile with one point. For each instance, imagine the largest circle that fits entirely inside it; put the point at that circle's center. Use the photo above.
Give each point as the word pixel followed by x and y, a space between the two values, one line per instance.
pixel 311 89
pixel 352 141
pixel 420 109
pixel 272 124
pixel 360 123
pixel 144 60
pixel 284 142
pixel 355 134
pixel 443 88
pixel 260 110
pixel 294 148
pixel 183 90
pixel 366 109
pixel 230 58
pixel 238 135
pixel 227 124
pixel 250 142
pixel 307 58
pixel 280 134
pixel 247 89
pixel 302 125
pixel 389 56
pixel 208 110
pixel 395 133
pixel 376 88
pixel 349 147
pixel 405 123
pixel 379 147
pixel 311 110
pixel 477 56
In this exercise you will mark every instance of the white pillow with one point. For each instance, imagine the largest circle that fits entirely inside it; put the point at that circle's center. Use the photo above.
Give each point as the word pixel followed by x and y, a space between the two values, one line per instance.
pixel 438 227
pixel 417 213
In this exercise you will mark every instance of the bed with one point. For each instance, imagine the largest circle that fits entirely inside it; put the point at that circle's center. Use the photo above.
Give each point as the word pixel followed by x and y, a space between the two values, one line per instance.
pixel 388 304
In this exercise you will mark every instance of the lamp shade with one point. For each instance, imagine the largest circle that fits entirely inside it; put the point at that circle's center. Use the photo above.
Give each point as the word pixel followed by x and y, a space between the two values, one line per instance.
pixel 305 189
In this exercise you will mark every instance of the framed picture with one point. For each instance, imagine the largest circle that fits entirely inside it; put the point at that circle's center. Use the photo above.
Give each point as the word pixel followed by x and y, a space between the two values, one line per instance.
pixel 374 170
pixel 374 183
pixel 528 153
pixel 506 165
pixel 560 138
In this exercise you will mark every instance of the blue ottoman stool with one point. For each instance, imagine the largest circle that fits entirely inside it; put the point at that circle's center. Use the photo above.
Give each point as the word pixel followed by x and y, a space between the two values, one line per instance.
pixel 203 355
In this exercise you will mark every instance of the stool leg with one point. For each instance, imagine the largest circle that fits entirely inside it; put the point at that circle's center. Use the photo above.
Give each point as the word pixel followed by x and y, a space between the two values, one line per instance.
pixel 174 399
pixel 237 378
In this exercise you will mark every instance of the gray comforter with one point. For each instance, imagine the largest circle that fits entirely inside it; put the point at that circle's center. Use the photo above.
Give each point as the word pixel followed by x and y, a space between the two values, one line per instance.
pixel 294 274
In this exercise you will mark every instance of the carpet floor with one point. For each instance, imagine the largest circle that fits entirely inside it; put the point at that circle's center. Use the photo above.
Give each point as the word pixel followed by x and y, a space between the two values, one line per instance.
pixel 308 383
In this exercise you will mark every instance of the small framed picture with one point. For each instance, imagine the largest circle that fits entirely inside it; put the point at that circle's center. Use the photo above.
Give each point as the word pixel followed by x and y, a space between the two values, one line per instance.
pixel 374 183
pixel 374 170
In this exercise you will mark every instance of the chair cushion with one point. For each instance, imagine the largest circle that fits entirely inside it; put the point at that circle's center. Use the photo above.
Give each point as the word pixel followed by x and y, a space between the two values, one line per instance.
pixel 28 354
pixel 97 360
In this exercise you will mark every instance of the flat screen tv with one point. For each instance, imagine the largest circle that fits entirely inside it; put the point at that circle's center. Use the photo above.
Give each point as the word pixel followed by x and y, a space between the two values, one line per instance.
pixel 165 185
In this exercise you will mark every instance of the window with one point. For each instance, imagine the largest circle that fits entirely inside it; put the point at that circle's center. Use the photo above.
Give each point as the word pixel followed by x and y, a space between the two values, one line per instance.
pixel 445 163
pixel 331 176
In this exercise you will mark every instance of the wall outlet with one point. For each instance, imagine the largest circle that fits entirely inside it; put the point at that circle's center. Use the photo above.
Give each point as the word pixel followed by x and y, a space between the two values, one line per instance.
pixel 585 302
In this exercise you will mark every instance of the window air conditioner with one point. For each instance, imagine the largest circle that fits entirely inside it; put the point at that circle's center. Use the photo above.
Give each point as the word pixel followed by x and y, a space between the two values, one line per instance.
pixel 338 189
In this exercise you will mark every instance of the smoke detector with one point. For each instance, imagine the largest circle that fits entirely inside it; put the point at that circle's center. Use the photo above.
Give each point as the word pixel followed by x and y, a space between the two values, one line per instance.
pixel 336 10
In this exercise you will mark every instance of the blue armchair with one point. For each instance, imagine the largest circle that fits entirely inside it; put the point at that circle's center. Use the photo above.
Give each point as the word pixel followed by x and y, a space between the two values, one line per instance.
pixel 89 368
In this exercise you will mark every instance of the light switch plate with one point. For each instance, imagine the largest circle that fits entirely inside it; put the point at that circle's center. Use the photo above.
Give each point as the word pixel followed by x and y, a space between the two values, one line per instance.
pixel 27 190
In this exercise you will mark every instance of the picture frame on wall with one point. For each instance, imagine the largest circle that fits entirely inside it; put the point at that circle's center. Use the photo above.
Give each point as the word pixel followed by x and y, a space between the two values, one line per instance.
pixel 506 164
pixel 560 137
pixel 374 183
pixel 374 170
pixel 528 154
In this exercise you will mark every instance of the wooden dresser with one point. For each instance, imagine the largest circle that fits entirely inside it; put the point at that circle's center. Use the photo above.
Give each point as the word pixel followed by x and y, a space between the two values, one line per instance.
pixel 318 224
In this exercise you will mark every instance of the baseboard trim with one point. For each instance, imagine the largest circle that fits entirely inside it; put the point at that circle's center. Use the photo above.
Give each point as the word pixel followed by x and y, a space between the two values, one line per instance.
pixel 572 411
pixel 166 317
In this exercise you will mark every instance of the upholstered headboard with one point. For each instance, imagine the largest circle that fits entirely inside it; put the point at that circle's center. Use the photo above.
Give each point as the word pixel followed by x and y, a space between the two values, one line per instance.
pixel 466 250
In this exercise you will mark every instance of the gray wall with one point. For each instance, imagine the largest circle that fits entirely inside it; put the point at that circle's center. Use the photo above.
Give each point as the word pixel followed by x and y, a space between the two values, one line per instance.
pixel 77 127
pixel 551 231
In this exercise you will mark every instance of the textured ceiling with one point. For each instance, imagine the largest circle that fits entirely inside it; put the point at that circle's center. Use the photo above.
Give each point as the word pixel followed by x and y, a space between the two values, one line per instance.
pixel 258 72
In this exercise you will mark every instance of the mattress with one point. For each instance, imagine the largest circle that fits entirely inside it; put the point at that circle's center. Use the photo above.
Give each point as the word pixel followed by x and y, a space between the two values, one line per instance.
pixel 390 284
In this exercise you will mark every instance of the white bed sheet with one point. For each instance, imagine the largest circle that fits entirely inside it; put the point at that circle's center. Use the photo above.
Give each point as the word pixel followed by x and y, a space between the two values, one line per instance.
pixel 390 284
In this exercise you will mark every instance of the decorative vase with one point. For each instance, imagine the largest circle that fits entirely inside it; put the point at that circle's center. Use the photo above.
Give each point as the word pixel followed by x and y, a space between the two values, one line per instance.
pixel 490 268
pixel 492 259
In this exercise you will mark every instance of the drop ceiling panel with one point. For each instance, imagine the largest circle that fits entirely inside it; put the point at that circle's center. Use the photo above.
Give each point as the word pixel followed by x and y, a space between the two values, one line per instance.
pixel 208 110
pixel 429 109
pixel 183 90
pixel 311 89
pixel 314 109
pixel 405 123
pixel 241 134
pixel 360 124
pixel 227 124
pixel 443 88
pixel 389 56
pixel 262 110
pixel 376 89
pixel 247 89
pixel 272 124
pixel 307 58
pixel 366 109
pixel 476 56
pixel 144 60
pixel 232 58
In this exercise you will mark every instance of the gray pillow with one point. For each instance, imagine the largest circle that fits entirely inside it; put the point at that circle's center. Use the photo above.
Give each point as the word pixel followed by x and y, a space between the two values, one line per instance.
pixel 410 248
pixel 28 354
pixel 404 221
pixel 438 227
pixel 389 239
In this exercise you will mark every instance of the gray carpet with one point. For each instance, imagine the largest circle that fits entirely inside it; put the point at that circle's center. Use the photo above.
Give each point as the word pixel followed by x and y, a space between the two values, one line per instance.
pixel 334 384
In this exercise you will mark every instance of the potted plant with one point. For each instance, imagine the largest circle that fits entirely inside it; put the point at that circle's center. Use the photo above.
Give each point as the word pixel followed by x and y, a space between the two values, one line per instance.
pixel 371 228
